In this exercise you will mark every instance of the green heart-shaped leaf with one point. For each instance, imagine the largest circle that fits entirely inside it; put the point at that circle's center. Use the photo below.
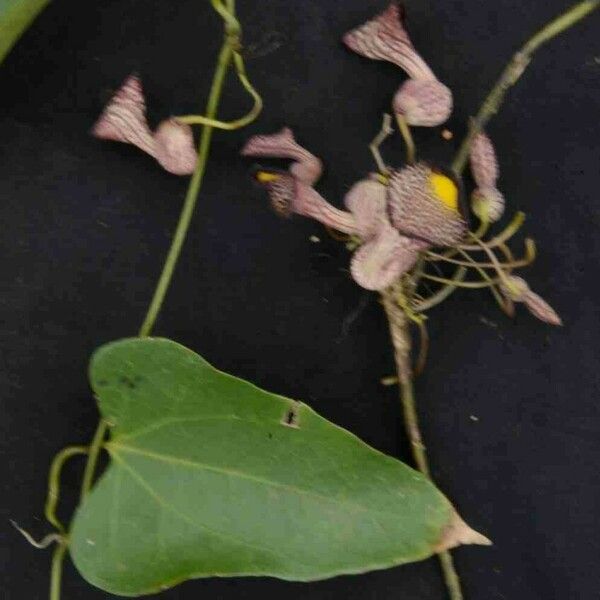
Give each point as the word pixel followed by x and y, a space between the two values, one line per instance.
pixel 15 17
pixel 211 475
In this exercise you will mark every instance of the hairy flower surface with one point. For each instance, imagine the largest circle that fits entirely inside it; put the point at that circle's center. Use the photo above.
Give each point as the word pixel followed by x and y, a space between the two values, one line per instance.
pixel 418 209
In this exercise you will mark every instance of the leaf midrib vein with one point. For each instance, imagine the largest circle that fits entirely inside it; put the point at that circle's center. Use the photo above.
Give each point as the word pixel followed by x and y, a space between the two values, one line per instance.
pixel 116 446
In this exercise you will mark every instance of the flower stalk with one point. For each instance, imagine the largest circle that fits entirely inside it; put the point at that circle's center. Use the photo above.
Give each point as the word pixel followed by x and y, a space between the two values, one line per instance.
pixel 400 334
pixel 513 72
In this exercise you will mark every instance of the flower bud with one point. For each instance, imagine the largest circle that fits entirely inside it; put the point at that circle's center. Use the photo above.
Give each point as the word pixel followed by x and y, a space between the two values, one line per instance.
pixel 487 204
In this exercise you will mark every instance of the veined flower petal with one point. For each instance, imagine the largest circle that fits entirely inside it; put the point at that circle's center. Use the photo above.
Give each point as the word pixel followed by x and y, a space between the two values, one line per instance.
pixel 289 196
pixel 484 164
pixel 385 38
pixel 420 209
pixel 124 117
pixel 307 167
pixel 174 147
pixel 379 262
pixel 367 201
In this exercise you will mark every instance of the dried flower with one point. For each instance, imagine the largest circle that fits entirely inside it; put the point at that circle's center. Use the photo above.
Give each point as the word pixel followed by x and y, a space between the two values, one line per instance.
pixel 422 100
pixel 518 290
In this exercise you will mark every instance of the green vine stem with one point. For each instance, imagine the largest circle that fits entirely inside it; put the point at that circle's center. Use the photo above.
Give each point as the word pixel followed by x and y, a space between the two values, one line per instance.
pixel 397 320
pixel 400 335
pixel 54 483
pixel 491 105
pixel 191 196
pixel 229 53
pixel 513 72
pixel 92 461
pixel 58 558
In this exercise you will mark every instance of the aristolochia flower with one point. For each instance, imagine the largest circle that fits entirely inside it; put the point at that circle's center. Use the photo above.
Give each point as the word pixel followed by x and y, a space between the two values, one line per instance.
pixel 124 120
pixel 418 209
pixel 422 100
pixel 487 202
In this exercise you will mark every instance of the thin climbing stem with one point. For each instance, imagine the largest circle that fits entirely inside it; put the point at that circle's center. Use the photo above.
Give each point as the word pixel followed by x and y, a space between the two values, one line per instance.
pixel 400 334
pixel 191 196
pixel 229 51
pixel 58 557
pixel 54 483
pixel 238 123
pixel 92 461
pixel 411 150
pixel 513 72
pixel 385 132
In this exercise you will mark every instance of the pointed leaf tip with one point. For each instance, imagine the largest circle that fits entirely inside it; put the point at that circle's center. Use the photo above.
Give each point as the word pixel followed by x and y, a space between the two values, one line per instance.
pixel 458 533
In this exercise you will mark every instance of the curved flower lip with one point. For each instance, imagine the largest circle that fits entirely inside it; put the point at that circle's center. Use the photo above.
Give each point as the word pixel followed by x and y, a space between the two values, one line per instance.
pixel 385 38
pixel 307 167
pixel 124 120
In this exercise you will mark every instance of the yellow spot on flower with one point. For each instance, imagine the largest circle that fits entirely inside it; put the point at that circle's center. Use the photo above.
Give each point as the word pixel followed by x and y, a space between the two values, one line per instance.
pixel 266 177
pixel 445 190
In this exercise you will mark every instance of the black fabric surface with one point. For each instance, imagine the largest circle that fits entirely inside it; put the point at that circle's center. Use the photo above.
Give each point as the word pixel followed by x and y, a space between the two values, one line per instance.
pixel 86 224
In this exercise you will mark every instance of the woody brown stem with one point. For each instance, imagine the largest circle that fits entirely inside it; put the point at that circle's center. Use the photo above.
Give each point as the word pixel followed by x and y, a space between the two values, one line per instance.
pixel 399 332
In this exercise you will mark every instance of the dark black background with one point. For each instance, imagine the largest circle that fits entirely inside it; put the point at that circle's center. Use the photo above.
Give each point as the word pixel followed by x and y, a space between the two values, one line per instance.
pixel 85 226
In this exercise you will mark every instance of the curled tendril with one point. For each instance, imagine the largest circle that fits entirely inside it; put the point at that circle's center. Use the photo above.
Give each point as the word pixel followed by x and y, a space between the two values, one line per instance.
pixel 233 31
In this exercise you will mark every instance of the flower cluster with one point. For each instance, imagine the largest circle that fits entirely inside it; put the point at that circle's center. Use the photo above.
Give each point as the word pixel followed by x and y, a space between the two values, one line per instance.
pixel 417 209
pixel 397 216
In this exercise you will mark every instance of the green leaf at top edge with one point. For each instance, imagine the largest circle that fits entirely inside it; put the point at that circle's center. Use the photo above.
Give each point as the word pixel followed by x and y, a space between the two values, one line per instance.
pixel 15 17
pixel 212 476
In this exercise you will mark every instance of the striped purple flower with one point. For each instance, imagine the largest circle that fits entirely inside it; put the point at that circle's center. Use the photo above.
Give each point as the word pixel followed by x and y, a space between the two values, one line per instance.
pixel 422 203
pixel 422 100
